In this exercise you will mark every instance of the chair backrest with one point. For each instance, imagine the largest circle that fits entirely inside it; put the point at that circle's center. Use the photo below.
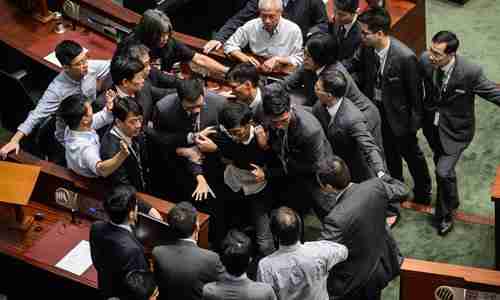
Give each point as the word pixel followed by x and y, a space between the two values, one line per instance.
pixel 20 103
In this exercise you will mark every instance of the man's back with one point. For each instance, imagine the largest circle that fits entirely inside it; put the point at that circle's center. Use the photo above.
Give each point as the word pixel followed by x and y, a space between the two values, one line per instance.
pixel 182 268
pixel 238 288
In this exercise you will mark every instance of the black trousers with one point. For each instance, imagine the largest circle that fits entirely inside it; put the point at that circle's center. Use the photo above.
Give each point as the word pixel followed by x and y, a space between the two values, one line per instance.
pixel 398 147
pixel 447 191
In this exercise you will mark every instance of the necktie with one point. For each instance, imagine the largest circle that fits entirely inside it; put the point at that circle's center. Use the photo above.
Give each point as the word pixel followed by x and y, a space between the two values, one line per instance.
pixel 440 74
pixel 341 32
pixel 378 74
pixel 194 122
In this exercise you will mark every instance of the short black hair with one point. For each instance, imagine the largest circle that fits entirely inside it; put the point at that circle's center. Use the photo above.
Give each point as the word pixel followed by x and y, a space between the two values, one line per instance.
pixel 72 109
pixel 335 83
pixel 243 72
pixel 182 220
pixel 275 101
pixel 235 256
pixel 190 90
pixel 140 283
pixel 323 49
pixel 66 51
pixel 334 171
pixel 123 106
pixel 285 225
pixel 377 19
pixel 235 114
pixel 449 38
pixel 350 6
pixel 120 202
pixel 123 67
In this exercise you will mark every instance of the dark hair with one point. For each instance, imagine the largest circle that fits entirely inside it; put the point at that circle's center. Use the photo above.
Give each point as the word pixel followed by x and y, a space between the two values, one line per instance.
pixel 153 24
pixel 124 106
pixel 350 6
pixel 334 171
pixel 285 225
pixel 182 220
pixel 449 38
pixel 72 109
pixel 140 283
pixel 236 252
pixel 137 51
pixel 234 114
pixel 323 49
pixel 275 101
pixel 335 83
pixel 124 68
pixel 66 51
pixel 190 89
pixel 243 72
pixel 377 19
pixel 120 203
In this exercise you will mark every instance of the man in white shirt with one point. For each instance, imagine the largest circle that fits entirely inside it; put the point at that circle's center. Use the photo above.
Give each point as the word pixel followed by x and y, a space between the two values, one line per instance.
pixel 271 36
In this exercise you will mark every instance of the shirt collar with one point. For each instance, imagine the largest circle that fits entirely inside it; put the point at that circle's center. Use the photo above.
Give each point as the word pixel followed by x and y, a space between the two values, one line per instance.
pixel 121 93
pixel 276 29
pixel 124 226
pixel 289 248
pixel 67 77
pixel 447 68
pixel 236 278
pixel 318 71
pixel 383 52
pixel 189 240
pixel 348 27
pixel 332 110
pixel 343 191
pixel 122 136
pixel 257 99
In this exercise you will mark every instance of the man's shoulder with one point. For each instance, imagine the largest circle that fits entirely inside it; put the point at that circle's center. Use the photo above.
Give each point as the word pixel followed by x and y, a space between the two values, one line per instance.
pixel 290 25
pixel 169 102
pixel 400 49
pixel 253 24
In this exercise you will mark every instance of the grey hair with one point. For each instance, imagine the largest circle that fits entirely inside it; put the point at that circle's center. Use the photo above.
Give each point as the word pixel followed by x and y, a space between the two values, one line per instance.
pixel 270 4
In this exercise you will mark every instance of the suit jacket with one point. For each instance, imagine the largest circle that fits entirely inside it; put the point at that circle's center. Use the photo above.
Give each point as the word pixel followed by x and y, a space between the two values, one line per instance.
pixel 182 268
pixel 305 13
pixel 348 44
pixel 358 221
pixel 115 252
pixel 305 79
pixel 400 84
pixel 351 140
pixel 456 104
pixel 238 289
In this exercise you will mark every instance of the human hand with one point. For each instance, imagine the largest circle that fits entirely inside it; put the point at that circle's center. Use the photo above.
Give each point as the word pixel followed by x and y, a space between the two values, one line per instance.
pixel 201 191
pixel 228 95
pixel 262 137
pixel 207 131
pixel 211 45
pixel 9 147
pixel 271 63
pixel 124 150
pixel 253 61
pixel 110 97
pixel 205 144
pixel 155 214
pixel 258 172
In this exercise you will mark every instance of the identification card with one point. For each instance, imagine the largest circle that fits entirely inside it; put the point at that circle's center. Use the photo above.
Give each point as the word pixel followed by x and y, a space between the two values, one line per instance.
pixel 378 95
pixel 436 118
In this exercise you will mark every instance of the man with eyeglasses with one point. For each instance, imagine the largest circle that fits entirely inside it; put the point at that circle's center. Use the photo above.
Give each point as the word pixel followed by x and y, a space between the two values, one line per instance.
pixel 451 84
pixel 387 73
pixel 79 75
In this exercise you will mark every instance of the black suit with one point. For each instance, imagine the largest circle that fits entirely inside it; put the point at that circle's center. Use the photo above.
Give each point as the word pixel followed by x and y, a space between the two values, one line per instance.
pixel 115 252
pixel 452 130
pixel 400 107
pixel 358 222
pixel 182 268
pixel 305 13
pixel 348 44
pixel 351 140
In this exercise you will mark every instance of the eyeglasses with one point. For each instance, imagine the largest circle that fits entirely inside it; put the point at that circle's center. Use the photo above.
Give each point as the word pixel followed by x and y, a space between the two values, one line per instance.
pixel 366 33
pixel 434 54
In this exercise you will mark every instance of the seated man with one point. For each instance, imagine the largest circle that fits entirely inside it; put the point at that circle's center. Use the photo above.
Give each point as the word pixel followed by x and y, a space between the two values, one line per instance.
pixel 79 75
pixel 182 268
pixel 271 36
pixel 235 284
pixel 357 220
pixel 298 271
pixel 114 249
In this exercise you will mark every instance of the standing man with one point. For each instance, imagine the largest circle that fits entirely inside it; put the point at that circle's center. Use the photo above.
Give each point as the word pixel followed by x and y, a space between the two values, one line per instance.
pixel 345 27
pixel 357 220
pixel 387 71
pixel 451 83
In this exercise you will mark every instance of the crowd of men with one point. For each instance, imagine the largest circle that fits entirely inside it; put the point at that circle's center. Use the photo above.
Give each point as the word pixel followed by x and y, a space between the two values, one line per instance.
pixel 330 137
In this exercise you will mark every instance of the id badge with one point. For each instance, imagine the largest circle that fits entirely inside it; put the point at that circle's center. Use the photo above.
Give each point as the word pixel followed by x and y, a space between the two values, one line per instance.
pixel 436 118
pixel 378 95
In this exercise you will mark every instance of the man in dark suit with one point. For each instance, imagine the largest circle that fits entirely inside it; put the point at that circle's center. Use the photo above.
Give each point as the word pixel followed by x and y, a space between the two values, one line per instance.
pixel 345 27
pixel 387 72
pixel 182 268
pixel 305 13
pixel 115 250
pixel 345 127
pixel 451 83
pixel 235 285
pixel 357 221
pixel 320 57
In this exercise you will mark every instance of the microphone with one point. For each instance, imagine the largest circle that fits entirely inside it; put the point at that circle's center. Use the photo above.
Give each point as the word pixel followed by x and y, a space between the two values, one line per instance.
pixel 68 199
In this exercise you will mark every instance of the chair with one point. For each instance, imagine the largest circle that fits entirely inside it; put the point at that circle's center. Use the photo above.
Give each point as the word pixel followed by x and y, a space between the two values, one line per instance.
pixel 16 111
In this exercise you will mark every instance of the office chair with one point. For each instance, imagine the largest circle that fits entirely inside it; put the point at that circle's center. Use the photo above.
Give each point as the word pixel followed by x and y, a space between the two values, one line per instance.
pixel 12 114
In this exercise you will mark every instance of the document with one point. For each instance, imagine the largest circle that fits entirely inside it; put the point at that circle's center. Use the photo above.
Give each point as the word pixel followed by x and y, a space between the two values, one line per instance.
pixel 78 260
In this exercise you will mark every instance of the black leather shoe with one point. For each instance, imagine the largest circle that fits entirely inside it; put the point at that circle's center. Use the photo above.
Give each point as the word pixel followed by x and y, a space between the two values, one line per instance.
pixel 445 227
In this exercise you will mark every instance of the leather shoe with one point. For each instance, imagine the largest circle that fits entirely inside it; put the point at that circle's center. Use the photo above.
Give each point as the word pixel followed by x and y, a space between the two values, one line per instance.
pixel 445 227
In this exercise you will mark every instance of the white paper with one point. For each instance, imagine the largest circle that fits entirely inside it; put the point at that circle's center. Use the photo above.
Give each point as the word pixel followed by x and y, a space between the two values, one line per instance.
pixel 78 260
pixel 51 58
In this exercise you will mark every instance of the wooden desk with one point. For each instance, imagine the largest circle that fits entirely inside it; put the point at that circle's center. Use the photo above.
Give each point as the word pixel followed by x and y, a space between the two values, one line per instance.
pixel 495 197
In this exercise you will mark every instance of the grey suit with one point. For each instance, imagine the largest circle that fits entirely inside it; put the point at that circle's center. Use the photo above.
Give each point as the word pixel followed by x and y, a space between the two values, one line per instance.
pixel 358 222
pixel 454 104
pixel 351 140
pixel 241 288
pixel 182 268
